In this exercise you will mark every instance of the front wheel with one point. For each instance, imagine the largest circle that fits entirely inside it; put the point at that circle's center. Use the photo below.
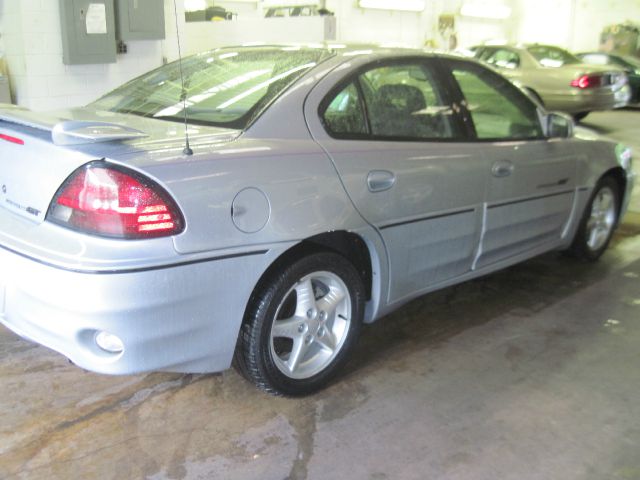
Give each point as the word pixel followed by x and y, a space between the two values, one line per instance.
pixel 598 222
pixel 301 324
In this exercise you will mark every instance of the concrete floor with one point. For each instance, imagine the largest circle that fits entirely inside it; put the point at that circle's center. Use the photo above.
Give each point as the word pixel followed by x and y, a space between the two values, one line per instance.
pixel 530 373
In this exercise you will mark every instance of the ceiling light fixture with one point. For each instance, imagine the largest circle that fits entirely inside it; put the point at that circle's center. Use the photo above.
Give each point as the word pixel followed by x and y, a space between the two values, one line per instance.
pixel 284 3
pixel 194 5
pixel 485 10
pixel 404 5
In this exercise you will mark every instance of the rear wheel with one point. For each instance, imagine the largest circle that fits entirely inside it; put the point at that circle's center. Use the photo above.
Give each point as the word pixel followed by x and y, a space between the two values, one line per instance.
pixel 579 116
pixel 301 324
pixel 598 222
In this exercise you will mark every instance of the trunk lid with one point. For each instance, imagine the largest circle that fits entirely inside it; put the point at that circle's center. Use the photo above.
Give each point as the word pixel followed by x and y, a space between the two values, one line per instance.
pixel 612 77
pixel 32 170
pixel 39 151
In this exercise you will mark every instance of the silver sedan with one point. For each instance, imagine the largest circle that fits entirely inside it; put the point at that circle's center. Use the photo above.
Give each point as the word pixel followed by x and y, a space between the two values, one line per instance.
pixel 257 205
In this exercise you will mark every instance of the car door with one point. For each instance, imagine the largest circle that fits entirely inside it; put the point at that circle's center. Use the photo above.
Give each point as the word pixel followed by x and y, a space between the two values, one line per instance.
pixel 530 179
pixel 396 142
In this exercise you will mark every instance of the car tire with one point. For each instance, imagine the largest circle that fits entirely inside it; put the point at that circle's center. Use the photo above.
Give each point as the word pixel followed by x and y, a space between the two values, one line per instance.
pixel 300 325
pixel 598 222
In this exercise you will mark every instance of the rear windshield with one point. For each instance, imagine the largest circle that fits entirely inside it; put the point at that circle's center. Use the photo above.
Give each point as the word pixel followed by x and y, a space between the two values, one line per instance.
pixel 224 87
pixel 552 56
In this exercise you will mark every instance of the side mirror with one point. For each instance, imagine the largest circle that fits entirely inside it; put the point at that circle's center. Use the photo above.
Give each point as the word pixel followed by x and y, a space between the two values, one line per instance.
pixel 559 125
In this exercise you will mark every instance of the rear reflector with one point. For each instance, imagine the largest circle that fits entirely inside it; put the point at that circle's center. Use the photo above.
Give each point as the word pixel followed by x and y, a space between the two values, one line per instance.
pixel 11 139
pixel 114 202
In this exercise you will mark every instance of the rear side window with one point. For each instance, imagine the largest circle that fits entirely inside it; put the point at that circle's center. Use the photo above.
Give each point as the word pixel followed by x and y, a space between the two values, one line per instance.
pixel 595 58
pixel 499 111
pixel 553 57
pixel 405 101
pixel 504 59
pixel 345 115
pixel 397 101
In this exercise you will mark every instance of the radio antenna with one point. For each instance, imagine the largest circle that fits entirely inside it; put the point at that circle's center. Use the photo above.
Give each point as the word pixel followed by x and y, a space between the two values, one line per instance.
pixel 183 95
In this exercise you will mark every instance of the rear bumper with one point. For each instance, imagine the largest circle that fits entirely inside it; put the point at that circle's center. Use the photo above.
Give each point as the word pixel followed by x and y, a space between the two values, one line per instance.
pixel 577 101
pixel 634 83
pixel 182 318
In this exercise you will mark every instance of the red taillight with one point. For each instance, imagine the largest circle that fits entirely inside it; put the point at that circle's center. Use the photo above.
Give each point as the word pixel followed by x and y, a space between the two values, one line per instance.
pixel 114 202
pixel 587 81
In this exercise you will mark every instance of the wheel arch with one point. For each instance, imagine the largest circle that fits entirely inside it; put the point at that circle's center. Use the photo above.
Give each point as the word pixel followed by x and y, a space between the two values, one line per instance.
pixel 347 244
pixel 618 174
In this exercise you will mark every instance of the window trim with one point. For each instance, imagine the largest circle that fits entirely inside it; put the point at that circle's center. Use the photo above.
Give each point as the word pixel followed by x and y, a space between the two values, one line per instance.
pixel 328 99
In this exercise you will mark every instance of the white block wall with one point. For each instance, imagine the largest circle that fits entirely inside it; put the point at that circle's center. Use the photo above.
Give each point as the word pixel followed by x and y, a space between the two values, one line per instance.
pixel 353 25
pixel 201 36
pixel 30 38
pixel 590 17
pixel 33 51
pixel 547 21
pixel 359 25
pixel 573 24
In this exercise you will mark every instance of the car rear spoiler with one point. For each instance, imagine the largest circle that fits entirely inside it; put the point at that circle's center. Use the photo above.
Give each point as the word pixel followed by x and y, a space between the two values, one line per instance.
pixel 69 132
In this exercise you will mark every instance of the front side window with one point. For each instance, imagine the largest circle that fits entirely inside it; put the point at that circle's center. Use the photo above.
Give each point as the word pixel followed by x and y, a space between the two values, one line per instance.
pixel 225 87
pixel 483 53
pixel 499 111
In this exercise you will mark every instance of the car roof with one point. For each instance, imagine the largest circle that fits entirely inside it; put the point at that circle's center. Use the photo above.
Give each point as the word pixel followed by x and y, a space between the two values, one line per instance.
pixel 345 49
pixel 518 46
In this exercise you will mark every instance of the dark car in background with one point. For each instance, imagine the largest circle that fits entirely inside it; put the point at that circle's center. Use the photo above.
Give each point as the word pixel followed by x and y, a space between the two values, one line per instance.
pixel 631 66
pixel 558 79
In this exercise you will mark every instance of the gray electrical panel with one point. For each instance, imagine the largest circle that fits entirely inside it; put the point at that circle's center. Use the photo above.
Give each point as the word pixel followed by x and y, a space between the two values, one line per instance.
pixel 88 31
pixel 140 19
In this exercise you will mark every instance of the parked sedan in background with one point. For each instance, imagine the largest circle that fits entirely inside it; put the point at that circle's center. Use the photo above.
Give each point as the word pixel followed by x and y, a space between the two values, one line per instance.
pixel 559 79
pixel 631 66
pixel 320 189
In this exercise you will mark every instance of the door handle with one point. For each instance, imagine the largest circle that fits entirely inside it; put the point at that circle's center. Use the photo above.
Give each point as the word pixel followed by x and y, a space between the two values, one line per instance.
pixel 502 168
pixel 380 180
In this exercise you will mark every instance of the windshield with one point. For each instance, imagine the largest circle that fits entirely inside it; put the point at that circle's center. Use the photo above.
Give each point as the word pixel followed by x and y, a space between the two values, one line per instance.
pixel 224 87
pixel 552 56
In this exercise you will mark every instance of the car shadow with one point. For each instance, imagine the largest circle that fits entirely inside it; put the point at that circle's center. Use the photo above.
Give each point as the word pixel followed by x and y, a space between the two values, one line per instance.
pixel 597 128
pixel 522 290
